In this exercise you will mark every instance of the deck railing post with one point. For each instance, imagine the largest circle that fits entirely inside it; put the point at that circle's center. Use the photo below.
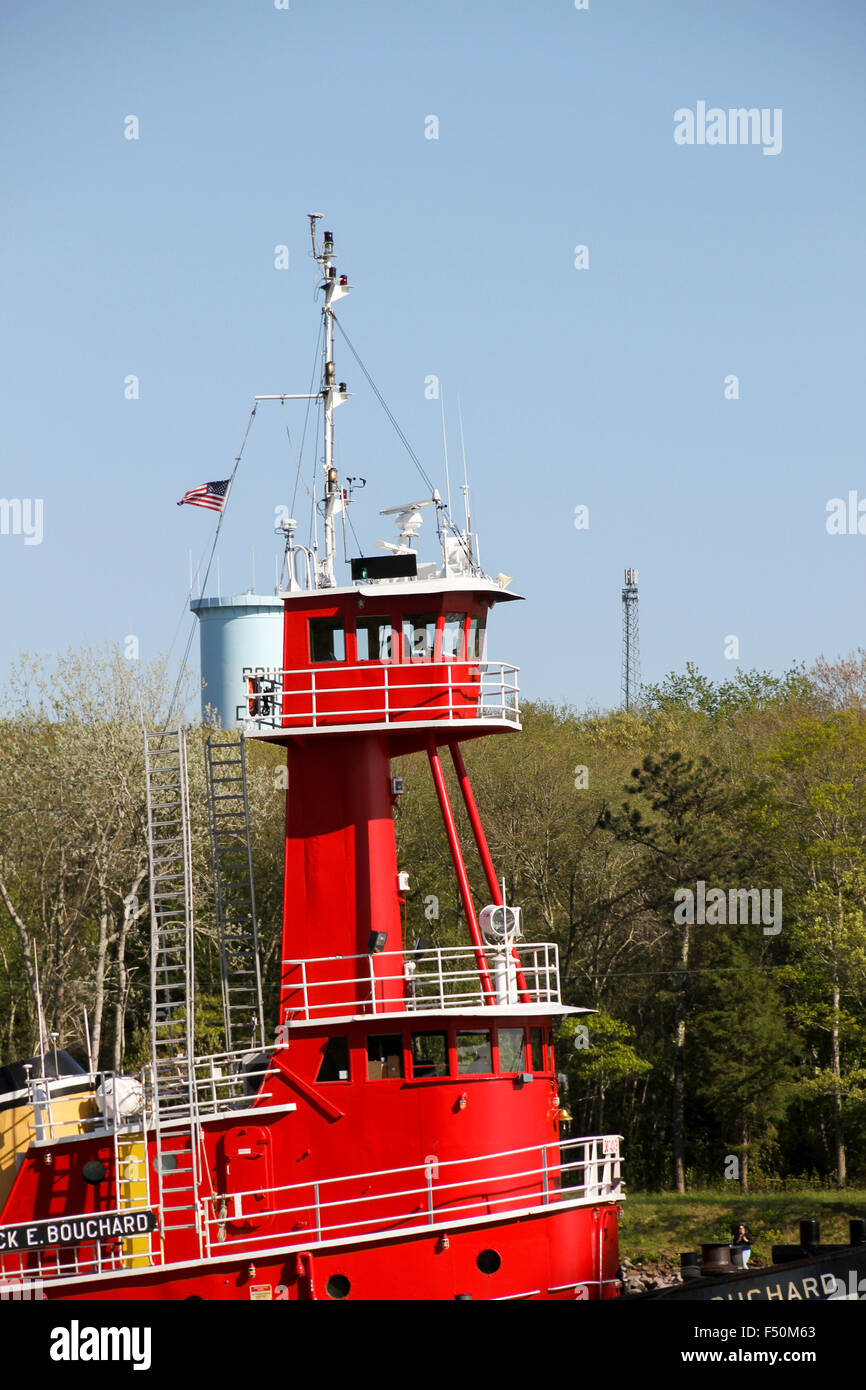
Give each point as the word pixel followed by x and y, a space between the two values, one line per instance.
pixel 544 1178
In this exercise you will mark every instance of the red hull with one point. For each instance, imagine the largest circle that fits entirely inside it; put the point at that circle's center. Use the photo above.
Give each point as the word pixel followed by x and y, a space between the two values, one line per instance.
pixel 543 1256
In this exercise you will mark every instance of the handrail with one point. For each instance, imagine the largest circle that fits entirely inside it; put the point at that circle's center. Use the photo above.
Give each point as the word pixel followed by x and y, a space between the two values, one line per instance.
pixel 451 980
pixel 492 693
pixel 440 1193
pixel 225 1088
pixel 599 1167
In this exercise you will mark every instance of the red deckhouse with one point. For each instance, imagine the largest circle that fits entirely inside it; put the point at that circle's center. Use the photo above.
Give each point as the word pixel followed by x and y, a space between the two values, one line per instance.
pixel 400 1138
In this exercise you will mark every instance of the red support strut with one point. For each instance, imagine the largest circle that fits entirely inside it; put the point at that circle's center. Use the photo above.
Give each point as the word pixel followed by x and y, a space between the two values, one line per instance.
pixel 460 870
pixel 484 852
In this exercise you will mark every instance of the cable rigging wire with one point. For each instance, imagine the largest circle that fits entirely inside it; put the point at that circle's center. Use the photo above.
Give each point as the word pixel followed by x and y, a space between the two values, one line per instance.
pixel 203 583
pixel 380 398
pixel 455 530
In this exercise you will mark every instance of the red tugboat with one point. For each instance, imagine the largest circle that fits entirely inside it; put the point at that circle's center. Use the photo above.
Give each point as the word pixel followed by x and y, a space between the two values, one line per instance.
pixel 400 1139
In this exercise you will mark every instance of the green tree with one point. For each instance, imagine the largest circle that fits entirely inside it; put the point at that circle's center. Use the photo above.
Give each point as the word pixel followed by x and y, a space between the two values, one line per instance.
pixel 599 1054
pixel 744 1052
pixel 692 833
pixel 816 822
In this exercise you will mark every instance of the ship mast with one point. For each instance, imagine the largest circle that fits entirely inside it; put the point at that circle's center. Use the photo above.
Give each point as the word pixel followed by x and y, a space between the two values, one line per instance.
pixel 333 394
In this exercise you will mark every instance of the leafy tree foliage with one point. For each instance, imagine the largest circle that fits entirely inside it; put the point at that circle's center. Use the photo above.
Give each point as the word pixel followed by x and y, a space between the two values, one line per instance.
pixel 707 1038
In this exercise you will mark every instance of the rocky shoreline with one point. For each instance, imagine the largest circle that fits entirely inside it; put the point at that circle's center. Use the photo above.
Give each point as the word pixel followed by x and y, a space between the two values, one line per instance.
pixel 641 1275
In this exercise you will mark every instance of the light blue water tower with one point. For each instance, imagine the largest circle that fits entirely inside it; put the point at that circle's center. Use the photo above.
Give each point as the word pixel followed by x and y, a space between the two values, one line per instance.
pixel 245 630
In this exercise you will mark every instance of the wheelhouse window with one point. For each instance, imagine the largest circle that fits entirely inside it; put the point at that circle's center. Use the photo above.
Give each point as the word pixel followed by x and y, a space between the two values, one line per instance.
pixel 475 650
pixel 419 637
pixel 384 1056
pixel 536 1048
pixel 373 638
pixel 452 637
pixel 474 1053
pixel 429 1054
pixel 327 640
pixel 512 1050
pixel 334 1065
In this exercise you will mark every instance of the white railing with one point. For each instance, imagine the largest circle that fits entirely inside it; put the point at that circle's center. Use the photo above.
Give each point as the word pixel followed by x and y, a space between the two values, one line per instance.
pixel 422 1196
pixel 110 1102
pixel 74 1258
pixel 440 977
pixel 224 1082
pixel 429 1195
pixel 316 698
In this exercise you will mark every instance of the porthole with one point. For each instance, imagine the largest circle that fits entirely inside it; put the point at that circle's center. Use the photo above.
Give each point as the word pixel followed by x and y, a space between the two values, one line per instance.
pixel 338 1286
pixel 489 1261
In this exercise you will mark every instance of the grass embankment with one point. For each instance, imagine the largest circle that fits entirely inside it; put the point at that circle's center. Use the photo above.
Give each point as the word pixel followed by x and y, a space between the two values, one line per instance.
pixel 658 1225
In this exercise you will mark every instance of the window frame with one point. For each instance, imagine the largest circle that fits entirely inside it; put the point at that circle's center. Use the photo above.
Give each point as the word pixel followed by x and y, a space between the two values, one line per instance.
pixel 460 654
pixel 449 1053
pixel 474 1032
pixel 335 1080
pixel 402 1054
pixel 518 1071
pixel 384 620
pixel 477 628
pixel 407 655
pixel 338 624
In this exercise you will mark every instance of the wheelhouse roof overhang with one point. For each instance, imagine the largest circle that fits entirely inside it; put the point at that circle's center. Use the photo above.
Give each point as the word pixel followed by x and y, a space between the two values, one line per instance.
pixel 496 1012
pixel 409 736
pixel 401 589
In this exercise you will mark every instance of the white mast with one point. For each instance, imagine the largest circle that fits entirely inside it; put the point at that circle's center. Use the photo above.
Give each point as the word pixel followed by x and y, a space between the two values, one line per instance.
pixel 333 394
pixel 445 452
pixel 465 489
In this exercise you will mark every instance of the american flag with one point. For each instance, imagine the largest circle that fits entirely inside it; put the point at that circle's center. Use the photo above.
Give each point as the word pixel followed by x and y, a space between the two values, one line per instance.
pixel 211 495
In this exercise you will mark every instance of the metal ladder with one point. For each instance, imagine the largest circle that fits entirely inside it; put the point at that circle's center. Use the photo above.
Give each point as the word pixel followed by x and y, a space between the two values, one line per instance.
pixel 172 989
pixel 234 895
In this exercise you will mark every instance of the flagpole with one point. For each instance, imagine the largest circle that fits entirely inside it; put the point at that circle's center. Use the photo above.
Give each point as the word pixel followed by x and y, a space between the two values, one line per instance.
pixel 217 529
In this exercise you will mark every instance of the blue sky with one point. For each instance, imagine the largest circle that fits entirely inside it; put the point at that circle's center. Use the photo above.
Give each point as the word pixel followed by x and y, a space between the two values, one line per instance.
pixel 601 387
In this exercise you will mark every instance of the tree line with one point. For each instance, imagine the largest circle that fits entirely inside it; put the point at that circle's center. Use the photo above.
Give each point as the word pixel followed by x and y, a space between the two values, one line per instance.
pixel 700 863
